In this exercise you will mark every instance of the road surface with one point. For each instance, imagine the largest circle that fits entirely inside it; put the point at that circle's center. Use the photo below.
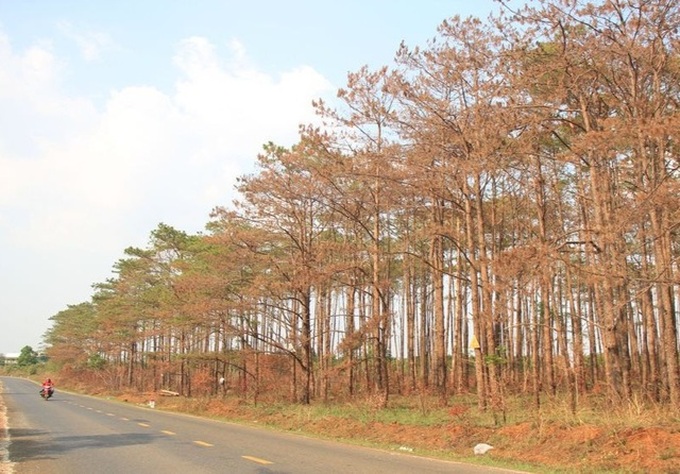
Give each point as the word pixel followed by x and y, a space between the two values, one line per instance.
pixel 77 434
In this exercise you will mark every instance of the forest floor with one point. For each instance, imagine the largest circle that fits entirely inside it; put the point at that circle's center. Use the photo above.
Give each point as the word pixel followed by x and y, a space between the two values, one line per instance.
pixel 594 440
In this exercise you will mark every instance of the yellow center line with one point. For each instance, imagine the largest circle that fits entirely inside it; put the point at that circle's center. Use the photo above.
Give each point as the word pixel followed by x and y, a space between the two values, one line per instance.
pixel 145 425
pixel 257 460
pixel 168 432
pixel 110 414
pixel 203 443
pixel 125 419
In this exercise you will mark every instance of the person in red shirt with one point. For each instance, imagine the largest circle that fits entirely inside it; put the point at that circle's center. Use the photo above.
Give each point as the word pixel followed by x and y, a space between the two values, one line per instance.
pixel 48 387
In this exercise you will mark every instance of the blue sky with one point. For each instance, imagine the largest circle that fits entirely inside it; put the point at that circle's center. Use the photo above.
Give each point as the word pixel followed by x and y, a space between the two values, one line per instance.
pixel 115 116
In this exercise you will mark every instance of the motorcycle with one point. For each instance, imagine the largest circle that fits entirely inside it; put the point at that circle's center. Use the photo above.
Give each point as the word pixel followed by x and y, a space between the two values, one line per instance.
pixel 46 393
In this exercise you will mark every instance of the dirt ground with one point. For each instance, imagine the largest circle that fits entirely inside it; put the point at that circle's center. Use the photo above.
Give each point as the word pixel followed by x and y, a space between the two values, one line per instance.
pixel 550 447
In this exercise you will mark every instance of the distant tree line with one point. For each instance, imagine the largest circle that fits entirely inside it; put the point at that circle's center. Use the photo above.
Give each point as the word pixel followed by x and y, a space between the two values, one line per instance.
pixel 27 360
pixel 497 212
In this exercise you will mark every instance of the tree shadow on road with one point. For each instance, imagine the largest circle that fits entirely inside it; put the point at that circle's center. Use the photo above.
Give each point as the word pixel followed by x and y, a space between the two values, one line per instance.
pixel 28 444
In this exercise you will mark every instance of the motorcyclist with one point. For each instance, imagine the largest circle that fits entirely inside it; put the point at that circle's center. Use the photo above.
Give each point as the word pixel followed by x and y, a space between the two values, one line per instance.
pixel 48 386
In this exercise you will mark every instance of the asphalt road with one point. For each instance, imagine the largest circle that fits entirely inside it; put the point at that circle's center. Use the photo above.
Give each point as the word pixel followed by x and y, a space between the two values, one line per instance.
pixel 77 434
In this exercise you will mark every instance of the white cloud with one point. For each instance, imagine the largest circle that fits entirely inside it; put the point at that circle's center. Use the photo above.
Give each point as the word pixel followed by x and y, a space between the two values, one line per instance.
pixel 241 108
pixel 81 174
pixel 32 71
pixel 91 43
pixel 79 184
